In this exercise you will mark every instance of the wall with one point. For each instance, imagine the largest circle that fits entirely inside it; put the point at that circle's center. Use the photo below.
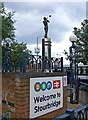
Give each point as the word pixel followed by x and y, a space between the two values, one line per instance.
pixel 8 92
pixel 17 86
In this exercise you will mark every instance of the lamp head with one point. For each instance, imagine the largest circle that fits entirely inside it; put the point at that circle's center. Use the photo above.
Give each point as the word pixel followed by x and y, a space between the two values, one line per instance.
pixel 73 38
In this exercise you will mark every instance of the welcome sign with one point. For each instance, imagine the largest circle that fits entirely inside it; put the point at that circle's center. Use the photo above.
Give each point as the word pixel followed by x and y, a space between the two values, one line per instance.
pixel 46 95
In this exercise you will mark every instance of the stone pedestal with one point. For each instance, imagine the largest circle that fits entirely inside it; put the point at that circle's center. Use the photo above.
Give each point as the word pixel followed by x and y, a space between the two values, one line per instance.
pixel 46 53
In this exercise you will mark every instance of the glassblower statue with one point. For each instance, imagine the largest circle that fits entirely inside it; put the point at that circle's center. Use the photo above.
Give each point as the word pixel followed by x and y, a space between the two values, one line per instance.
pixel 45 22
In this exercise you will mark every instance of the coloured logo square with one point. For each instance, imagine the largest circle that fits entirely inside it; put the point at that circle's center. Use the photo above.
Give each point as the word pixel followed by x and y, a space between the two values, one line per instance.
pixel 56 84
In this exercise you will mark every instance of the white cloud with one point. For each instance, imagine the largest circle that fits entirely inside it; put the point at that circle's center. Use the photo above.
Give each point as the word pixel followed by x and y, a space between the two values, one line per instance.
pixel 64 18
pixel 29 24
pixel 26 23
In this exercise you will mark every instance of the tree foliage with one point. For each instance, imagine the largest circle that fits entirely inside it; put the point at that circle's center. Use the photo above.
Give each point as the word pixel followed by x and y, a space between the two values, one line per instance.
pixel 7 23
pixel 16 54
pixel 8 31
pixel 82 42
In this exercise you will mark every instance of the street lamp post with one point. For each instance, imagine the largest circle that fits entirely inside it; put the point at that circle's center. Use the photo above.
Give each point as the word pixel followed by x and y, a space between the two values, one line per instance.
pixel 74 83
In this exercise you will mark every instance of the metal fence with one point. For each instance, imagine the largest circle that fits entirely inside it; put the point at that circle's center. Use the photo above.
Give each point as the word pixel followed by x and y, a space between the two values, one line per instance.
pixel 34 62
pixel 75 114
pixel 52 64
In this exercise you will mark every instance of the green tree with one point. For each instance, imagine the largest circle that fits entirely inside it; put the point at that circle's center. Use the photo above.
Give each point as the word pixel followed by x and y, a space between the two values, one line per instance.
pixel 82 42
pixel 7 30
pixel 16 53
pixel 6 27
pixel 7 23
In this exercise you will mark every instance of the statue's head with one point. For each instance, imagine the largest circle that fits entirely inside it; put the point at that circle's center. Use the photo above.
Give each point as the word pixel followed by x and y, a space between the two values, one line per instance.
pixel 45 18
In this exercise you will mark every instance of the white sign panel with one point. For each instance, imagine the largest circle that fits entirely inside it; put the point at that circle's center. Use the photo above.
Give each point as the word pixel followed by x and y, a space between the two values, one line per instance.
pixel 46 95
pixel 37 50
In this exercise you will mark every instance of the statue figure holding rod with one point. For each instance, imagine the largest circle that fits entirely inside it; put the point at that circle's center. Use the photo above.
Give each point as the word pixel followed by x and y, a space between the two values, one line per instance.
pixel 45 22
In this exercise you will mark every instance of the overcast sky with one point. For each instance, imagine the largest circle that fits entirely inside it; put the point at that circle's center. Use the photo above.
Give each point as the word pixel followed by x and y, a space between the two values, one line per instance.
pixel 64 17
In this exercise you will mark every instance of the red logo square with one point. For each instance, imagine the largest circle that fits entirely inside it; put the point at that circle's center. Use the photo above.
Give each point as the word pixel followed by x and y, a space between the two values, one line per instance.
pixel 56 84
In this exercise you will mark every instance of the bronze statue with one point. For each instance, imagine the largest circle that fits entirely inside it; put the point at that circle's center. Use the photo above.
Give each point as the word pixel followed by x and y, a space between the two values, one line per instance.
pixel 45 22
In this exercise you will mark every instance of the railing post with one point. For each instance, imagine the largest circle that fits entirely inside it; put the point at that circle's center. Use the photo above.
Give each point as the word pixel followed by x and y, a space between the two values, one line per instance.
pixel 71 114
pixel 24 61
pixel 61 64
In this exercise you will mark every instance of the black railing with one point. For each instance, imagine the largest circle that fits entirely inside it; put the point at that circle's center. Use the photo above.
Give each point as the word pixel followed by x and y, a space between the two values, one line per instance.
pixel 35 62
pixel 75 114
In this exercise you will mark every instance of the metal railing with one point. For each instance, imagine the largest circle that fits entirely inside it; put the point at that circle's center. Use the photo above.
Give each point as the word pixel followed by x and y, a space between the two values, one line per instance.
pixel 35 62
pixel 85 84
pixel 75 114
